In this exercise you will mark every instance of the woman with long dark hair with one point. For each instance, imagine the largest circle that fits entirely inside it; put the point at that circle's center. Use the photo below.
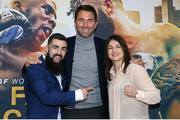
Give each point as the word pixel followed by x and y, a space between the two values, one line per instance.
pixel 129 86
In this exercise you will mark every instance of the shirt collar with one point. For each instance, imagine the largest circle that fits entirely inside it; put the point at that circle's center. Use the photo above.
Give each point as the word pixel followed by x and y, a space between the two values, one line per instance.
pixel 112 71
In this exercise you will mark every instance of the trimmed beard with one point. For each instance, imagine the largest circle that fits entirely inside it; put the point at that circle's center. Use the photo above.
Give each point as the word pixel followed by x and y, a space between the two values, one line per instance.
pixel 55 68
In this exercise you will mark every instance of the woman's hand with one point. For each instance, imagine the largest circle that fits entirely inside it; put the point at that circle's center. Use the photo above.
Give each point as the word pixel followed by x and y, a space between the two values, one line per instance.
pixel 130 91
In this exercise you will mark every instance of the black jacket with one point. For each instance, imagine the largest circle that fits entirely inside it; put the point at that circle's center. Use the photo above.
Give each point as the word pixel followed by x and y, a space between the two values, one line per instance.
pixel 99 45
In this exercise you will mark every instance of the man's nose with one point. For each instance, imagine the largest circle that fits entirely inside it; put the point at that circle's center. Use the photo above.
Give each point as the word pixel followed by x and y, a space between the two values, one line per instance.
pixel 85 24
pixel 59 51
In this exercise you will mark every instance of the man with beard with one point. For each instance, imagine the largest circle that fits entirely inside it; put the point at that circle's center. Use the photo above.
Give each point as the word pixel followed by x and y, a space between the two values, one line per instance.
pixel 84 66
pixel 22 30
pixel 44 83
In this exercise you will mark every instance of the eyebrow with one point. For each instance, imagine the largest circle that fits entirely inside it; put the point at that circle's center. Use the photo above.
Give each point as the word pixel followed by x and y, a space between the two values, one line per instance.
pixel 58 46
pixel 55 45
pixel 115 45
pixel 64 47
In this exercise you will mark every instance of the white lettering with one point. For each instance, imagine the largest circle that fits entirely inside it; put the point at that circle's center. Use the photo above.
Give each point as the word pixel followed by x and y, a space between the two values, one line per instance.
pixel 3 81
pixel 17 81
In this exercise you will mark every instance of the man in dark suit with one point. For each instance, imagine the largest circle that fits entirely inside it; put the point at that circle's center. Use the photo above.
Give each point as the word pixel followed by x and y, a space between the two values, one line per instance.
pixel 44 83
pixel 85 67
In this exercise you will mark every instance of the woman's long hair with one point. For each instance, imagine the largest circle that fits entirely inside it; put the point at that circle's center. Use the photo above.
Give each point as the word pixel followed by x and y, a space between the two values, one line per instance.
pixel 126 57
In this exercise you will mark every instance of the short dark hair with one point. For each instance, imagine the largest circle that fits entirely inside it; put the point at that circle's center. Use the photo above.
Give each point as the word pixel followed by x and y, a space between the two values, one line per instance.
pixel 87 8
pixel 58 36
pixel 126 58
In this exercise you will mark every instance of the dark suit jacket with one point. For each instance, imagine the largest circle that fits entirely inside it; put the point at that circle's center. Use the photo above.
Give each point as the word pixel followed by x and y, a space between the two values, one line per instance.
pixel 43 92
pixel 99 45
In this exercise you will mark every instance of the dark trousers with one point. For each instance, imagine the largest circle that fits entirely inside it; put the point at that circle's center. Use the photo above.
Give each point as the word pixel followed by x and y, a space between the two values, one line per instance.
pixel 85 113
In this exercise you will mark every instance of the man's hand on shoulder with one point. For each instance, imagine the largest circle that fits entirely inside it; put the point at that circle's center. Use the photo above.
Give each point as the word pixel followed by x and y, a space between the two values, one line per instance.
pixel 33 58
pixel 138 61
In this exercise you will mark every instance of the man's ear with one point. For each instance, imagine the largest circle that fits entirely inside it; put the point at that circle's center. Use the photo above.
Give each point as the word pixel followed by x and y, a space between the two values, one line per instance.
pixel 16 4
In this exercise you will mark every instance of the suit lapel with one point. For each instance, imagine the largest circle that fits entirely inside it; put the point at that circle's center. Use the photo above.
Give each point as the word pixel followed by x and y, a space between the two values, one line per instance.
pixel 99 53
pixel 69 60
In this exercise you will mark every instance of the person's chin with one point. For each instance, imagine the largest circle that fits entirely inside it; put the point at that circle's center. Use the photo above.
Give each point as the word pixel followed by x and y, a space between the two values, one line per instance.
pixel 56 61
pixel 85 35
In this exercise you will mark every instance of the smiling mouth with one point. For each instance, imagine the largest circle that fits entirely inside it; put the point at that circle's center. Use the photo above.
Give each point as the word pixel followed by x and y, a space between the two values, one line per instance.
pixel 57 58
pixel 114 55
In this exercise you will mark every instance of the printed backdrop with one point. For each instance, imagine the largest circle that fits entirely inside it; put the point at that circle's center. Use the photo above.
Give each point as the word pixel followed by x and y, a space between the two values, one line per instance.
pixel 150 28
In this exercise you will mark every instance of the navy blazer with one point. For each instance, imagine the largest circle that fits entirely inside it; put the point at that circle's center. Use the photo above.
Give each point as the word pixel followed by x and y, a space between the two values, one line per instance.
pixel 43 93
pixel 100 49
